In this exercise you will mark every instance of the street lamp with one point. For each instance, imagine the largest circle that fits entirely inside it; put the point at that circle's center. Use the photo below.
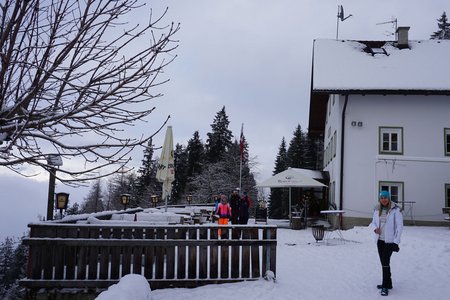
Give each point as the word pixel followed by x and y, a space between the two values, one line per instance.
pixel 154 199
pixel 62 199
pixel 189 199
pixel 125 199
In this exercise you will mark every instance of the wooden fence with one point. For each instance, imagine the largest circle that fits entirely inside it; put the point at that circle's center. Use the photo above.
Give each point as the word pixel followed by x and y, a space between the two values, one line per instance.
pixel 97 256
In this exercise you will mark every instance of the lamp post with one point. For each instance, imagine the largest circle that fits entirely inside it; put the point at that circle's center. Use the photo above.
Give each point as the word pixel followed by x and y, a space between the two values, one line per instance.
pixel 53 160
pixel 62 199
pixel 125 199
pixel 154 199
pixel 189 199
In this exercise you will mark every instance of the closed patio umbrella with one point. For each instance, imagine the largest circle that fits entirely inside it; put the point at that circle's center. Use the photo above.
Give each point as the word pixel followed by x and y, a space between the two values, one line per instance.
pixel 166 166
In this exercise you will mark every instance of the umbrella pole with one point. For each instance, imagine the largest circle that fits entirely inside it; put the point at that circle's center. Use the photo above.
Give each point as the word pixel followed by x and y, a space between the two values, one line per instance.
pixel 290 212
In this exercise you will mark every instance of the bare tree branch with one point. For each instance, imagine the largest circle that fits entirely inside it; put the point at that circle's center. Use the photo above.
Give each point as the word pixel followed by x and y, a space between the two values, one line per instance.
pixel 75 75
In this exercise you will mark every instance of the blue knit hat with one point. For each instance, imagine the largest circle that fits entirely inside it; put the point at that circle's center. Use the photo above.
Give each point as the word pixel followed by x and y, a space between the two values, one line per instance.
pixel 385 194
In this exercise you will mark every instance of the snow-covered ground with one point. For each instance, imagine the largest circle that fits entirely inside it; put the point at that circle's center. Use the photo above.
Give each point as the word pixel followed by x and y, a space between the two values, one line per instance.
pixel 310 270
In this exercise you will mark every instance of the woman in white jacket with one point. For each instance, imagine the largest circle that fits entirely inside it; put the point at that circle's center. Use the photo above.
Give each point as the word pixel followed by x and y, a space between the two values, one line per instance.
pixel 387 224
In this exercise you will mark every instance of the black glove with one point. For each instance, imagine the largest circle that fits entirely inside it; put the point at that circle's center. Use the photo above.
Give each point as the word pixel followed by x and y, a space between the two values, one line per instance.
pixel 395 247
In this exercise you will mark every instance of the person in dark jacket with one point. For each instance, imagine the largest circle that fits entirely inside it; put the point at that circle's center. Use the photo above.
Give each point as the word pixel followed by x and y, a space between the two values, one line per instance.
pixel 244 206
pixel 234 204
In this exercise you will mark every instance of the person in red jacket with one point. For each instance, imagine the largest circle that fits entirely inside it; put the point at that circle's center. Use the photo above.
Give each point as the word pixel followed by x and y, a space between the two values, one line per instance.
pixel 224 212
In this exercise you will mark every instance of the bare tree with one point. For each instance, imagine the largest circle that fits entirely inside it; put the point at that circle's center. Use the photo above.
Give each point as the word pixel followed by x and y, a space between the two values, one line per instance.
pixel 75 75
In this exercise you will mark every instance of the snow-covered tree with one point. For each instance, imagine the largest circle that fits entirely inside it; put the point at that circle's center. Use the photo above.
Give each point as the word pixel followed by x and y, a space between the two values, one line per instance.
pixel 443 32
pixel 196 152
pixel 94 200
pixel 74 76
pixel 220 138
pixel 296 150
pixel 181 171
pixel 278 201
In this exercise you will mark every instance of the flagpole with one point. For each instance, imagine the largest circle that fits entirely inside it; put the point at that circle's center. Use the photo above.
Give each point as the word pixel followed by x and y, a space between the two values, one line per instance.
pixel 241 148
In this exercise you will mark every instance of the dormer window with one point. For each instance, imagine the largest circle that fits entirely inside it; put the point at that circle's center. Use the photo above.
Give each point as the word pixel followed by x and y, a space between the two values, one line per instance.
pixel 376 51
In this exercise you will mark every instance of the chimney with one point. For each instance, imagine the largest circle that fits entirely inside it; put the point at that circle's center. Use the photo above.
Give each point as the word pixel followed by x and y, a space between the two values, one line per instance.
pixel 402 37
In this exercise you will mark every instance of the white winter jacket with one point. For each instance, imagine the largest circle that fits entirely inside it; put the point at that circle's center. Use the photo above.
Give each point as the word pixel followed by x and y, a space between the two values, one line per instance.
pixel 394 224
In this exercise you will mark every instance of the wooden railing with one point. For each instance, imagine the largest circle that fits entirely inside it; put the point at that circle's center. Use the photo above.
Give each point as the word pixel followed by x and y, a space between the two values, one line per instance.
pixel 97 256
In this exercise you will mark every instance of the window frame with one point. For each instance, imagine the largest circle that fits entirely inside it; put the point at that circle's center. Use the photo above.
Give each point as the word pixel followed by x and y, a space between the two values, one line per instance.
pixel 446 141
pixel 390 130
pixel 401 189
pixel 447 195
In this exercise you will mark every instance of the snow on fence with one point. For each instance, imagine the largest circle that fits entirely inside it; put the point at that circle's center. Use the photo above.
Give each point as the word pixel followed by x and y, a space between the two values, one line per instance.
pixel 97 256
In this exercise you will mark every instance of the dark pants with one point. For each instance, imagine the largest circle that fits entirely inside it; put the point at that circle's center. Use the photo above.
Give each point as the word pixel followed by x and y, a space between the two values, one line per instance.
pixel 234 216
pixel 385 252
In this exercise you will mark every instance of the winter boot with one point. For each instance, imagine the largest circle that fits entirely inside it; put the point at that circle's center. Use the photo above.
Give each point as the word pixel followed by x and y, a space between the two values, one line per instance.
pixel 380 286
pixel 384 292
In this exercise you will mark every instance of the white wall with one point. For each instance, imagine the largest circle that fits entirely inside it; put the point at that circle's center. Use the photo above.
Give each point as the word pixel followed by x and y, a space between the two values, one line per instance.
pixel 423 168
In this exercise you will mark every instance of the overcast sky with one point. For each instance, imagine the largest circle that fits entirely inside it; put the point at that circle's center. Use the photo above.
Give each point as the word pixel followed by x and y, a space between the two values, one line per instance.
pixel 251 56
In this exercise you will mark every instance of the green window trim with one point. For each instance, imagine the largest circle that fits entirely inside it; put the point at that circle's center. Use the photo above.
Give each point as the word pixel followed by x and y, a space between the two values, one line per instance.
pixel 447 141
pixel 390 140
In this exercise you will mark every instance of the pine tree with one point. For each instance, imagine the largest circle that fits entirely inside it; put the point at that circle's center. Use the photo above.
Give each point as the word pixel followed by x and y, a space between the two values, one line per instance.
pixel 146 181
pixel 278 203
pixel 13 262
pixel 296 150
pixel 6 263
pixel 312 152
pixel 444 29
pixel 181 171
pixel 195 152
pixel 94 200
pixel 220 138
pixel 73 210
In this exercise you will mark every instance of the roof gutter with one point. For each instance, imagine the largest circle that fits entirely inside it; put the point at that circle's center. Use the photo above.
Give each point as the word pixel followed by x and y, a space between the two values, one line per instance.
pixel 341 182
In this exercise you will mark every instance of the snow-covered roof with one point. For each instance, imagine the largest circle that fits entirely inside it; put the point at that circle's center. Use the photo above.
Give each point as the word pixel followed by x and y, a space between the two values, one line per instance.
pixel 352 66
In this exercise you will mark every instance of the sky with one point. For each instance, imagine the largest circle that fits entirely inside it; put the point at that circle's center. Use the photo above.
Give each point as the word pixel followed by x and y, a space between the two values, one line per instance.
pixel 254 58
pixel 332 270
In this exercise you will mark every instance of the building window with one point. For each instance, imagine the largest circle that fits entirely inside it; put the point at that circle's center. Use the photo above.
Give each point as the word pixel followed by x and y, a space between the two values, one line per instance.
pixel 447 195
pixel 447 140
pixel 391 140
pixel 395 188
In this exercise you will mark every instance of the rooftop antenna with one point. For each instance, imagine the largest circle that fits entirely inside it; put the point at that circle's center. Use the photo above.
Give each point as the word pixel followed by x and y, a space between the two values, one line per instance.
pixel 394 24
pixel 340 16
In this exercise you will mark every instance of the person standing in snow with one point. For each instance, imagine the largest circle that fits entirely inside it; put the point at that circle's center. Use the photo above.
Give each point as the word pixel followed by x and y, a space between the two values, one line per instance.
pixel 224 212
pixel 234 204
pixel 387 225
pixel 244 206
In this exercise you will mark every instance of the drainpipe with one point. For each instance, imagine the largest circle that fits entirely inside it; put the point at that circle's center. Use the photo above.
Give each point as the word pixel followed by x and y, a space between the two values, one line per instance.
pixel 341 182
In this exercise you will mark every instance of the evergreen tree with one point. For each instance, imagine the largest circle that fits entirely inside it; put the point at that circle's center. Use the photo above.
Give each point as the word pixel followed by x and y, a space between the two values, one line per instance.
pixel 444 29
pixel 73 210
pixel 312 152
pixel 181 171
pixel 296 150
pixel 6 261
pixel 278 201
pixel 94 200
pixel 220 138
pixel 147 184
pixel 13 262
pixel 195 155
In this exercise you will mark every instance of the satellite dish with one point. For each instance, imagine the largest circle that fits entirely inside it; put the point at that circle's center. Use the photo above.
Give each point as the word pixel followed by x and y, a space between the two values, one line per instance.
pixel 341 13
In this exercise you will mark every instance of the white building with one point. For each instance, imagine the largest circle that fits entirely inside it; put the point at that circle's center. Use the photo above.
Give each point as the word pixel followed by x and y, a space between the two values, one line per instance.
pixel 383 110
